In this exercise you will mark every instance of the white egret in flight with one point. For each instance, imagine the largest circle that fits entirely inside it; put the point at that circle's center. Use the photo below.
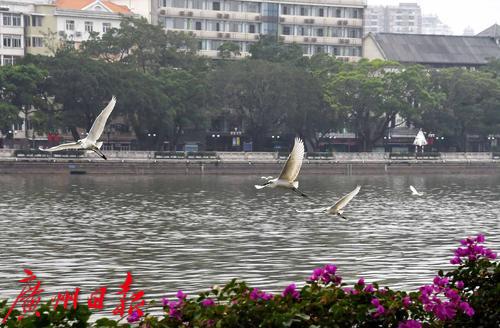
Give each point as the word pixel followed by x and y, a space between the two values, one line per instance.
pixel 338 207
pixel 415 192
pixel 288 176
pixel 90 142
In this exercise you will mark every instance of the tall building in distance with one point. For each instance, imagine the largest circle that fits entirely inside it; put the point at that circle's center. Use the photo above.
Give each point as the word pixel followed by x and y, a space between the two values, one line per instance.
pixel 404 18
pixel 431 24
pixel 334 27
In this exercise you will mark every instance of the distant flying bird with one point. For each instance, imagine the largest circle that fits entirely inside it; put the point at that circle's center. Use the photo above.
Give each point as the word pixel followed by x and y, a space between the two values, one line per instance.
pixel 338 207
pixel 290 171
pixel 90 142
pixel 415 192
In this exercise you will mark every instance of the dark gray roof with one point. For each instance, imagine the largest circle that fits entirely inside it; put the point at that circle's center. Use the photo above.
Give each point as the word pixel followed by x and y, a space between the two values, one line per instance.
pixel 437 49
pixel 493 31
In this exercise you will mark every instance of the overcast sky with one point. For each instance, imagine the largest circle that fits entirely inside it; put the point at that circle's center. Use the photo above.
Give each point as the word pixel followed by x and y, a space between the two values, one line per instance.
pixel 458 14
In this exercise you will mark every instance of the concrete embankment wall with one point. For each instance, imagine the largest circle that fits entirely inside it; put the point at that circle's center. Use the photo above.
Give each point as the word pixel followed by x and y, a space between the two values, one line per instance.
pixel 98 166
pixel 261 163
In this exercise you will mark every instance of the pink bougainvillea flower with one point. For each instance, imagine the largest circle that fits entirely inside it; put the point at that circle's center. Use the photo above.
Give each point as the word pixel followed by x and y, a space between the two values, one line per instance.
pixel 292 291
pixel 134 317
pixel 207 302
pixel 410 324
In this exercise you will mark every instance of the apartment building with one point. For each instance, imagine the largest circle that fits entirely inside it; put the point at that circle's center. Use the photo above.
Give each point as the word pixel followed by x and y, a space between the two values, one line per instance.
pixel 11 34
pixel 334 27
pixel 431 24
pixel 404 18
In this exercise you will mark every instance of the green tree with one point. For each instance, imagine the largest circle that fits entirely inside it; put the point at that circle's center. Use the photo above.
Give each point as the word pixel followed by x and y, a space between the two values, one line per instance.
pixel 268 98
pixel 371 94
pixel 142 45
pixel 188 101
pixel 271 49
pixel 228 50
pixel 468 105
pixel 22 89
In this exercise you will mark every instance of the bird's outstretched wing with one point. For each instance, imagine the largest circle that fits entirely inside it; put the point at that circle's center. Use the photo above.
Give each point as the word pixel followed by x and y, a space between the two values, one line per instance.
pixel 69 145
pixel 414 191
pixel 294 162
pixel 99 123
pixel 314 210
pixel 341 203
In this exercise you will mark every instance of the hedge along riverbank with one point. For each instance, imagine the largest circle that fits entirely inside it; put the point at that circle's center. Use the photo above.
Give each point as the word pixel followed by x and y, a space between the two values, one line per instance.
pixel 467 296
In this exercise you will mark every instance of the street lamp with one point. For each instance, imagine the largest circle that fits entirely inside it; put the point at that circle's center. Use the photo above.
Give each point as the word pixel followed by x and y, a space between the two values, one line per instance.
pixel 491 138
pixel 215 137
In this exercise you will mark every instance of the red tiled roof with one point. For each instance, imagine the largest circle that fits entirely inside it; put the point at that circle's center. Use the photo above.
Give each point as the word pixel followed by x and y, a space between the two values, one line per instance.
pixel 80 4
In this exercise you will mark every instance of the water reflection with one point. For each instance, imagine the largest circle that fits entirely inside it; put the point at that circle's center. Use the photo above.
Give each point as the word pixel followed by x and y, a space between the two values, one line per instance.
pixel 190 232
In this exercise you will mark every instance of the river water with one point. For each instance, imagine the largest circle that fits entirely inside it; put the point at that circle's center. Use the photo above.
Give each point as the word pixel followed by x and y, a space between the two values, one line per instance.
pixel 191 232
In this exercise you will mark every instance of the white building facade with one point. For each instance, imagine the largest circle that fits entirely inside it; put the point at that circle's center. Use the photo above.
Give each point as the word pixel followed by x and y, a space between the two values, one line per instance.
pixel 12 47
pixel 404 18
pixel 334 27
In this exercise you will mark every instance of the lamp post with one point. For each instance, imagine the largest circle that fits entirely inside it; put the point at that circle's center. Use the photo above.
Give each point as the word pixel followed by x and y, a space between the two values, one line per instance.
pixel 215 137
pixel 492 140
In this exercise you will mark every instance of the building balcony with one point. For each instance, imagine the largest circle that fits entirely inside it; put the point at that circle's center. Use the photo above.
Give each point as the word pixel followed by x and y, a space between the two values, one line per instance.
pixel 321 40
pixel 321 21
pixel 215 54
pixel 218 35
pixel 210 14
pixel 330 3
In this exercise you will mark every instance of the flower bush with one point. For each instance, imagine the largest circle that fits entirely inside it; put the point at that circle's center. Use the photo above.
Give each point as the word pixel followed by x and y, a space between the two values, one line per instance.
pixel 467 296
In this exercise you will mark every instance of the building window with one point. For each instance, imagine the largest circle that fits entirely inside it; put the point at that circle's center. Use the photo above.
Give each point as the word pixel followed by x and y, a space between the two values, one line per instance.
pixel 286 30
pixel 253 7
pixel 338 13
pixel 7 19
pixel 179 23
pixel 12 41
pixel 36 20
pixel 320 32
pixel 89 27
pixel 321 12
pixel 303 11
pixel 217 27
pixel 9 60
pixel 106 27
pixel 215 5
pixel 16 20
pixel 251 28
pixel 234 27
pixel 303 31
pixel 37 41
pixel 197 4
pixel 234 6
pixel 285 10
pixel 11 20
pixel 197 26
pixel 27 42
pixel 336 51
pixel 178 4
pixel 70 25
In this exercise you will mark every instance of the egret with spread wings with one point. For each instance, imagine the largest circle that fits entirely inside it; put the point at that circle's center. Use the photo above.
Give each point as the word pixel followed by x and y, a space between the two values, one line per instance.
pixel 90 142
pixel 338 207
pixel 414 191
pixel 288 176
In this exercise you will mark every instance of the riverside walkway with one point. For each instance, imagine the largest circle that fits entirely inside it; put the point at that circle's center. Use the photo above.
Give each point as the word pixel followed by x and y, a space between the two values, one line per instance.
pixel 150 162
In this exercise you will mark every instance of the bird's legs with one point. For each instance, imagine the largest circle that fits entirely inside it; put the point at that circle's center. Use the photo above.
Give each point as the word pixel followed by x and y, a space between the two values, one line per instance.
pixel 343 217
pixel 99 152
pixel 299 192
